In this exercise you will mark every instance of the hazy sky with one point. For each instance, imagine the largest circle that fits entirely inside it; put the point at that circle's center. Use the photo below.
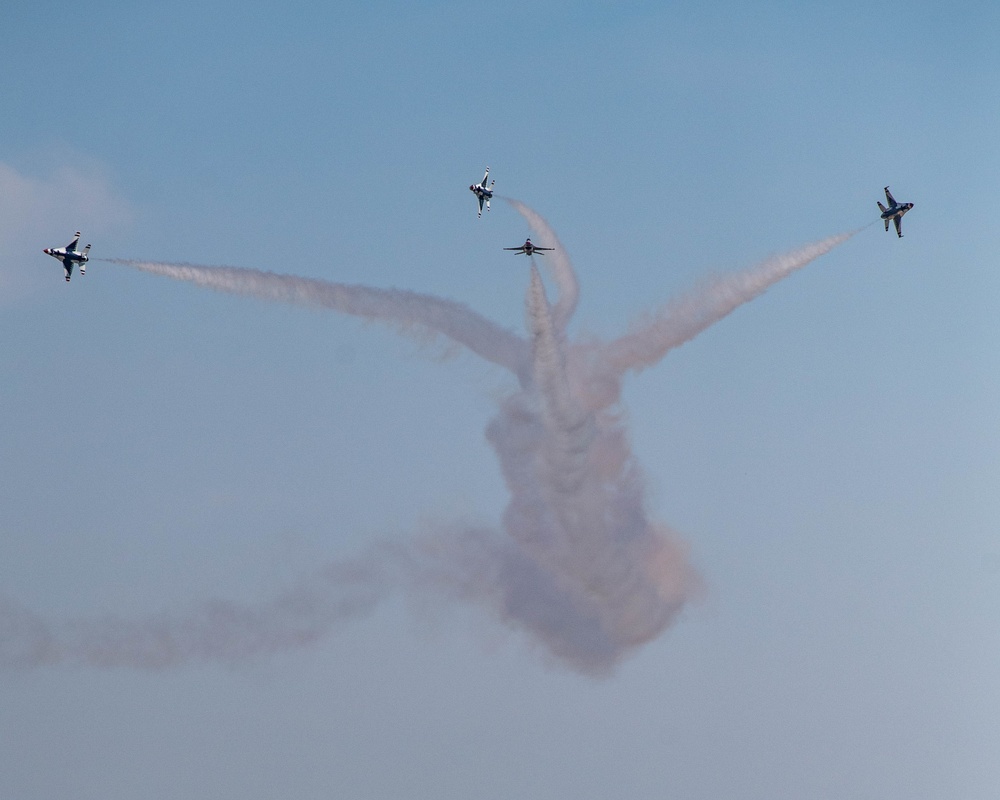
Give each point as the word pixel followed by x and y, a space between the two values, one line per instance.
pixel 827 456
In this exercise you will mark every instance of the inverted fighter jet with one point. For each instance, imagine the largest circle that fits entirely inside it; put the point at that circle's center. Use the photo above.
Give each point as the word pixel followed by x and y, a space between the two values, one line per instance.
pixel 69 256
pixel 483 192
pixel 529 249
pixel 894 212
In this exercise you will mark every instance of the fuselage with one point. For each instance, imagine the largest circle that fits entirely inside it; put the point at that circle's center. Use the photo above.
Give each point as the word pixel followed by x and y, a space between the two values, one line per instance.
pixel 528 249
pixel 67 255
pixel 896 211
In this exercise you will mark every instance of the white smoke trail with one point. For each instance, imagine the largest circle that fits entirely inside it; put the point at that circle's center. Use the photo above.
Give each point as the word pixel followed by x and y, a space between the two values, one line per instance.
pixel 683 319
pixel 212 631
pixel 557 262
pixel 577 564
pixel 408 311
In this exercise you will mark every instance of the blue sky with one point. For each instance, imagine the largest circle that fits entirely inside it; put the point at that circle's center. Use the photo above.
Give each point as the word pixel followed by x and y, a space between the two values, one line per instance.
pixel 828 453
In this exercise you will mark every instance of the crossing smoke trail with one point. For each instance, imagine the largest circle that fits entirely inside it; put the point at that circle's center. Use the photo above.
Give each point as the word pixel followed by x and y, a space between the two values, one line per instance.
pixel 591 576
pixel 558 262
pixel 577 563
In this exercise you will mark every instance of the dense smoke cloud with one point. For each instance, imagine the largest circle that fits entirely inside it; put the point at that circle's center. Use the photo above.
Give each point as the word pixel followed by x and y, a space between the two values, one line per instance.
pixel 576 562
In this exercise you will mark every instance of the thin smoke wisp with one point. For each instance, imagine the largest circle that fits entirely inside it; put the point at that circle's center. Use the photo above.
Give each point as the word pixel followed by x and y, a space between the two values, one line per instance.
pixel 576 562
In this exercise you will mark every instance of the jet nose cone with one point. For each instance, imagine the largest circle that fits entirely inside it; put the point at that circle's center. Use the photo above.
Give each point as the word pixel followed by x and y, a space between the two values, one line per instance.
pixel 45 250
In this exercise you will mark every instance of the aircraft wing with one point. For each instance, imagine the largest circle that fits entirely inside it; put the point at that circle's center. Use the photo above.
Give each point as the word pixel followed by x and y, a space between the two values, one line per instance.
pixel 480 198
pixel 899 224
pixel 889 198
pixel 487 175
pixel 72 245
pixel 520 249
pixel 543 248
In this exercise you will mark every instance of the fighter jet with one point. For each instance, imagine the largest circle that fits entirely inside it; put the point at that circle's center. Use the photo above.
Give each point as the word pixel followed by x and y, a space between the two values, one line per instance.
pixel 483 192
pixel 894 212
pixel 69 256
pixel 529 249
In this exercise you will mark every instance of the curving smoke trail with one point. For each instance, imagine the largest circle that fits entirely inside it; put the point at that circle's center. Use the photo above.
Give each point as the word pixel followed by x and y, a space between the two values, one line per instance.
pixel 410 312
pixel 577 563
pixel 683 319
pixel 214 630
pixel 558 262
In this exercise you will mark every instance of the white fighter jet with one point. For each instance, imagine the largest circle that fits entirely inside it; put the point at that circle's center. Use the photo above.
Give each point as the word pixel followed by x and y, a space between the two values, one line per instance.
pixel 69 256
pixel 894 212
pixel 483 192
pixel 529 249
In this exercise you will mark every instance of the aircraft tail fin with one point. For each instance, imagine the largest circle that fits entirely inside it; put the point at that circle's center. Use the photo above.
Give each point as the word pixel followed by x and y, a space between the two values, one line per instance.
pixel 86 250
pixel 881 207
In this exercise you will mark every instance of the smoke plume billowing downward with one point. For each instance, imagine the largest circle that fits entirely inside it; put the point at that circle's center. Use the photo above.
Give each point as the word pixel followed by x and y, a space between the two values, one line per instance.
pixel 576 562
